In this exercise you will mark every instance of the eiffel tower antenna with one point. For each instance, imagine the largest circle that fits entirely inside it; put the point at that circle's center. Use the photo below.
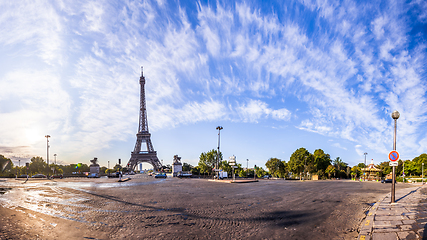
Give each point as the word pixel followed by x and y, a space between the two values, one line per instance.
pixel 144 151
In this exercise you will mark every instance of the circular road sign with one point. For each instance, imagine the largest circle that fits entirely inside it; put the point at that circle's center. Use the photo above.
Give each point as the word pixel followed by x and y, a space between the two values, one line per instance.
pixel 393 156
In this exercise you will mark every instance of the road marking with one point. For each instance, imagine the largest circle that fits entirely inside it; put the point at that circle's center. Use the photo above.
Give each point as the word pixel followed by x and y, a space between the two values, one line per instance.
pixel 362 237
pixel 370 213
pixel 367 222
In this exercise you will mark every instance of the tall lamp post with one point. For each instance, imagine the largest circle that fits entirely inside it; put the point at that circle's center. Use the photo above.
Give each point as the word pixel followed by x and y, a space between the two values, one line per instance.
pixel 219 128
pixel 395 115
pixel 364 173
pixel 55 164
pixel 422 173
pixel 47 150
pixel 247 167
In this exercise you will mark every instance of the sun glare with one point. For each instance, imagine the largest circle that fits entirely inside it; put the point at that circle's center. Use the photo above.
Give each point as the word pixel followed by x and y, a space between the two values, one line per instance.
pixel 33 135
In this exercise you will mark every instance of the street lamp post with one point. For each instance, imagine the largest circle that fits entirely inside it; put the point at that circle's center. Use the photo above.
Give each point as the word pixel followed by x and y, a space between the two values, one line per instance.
pixel 395 115
pixel 47 150
pixel 247 167
pixel 219 128
pixel 422 173
pixel 55 163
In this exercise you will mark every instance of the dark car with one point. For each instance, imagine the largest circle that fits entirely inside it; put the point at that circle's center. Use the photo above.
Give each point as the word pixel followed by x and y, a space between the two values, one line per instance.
pixel 39 176
pixel 23 176
pixel 387 181
pixel 57 176
pixel 161 175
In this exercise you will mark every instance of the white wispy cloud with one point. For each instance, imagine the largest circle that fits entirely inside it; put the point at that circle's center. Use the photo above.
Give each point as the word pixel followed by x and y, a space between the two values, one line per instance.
pixel 254 110
pixel 346 67
pixel 38 34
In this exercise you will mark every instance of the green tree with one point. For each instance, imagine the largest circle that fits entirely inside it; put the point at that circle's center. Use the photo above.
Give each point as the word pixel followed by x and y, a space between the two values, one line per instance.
pixel 361 165
pixel 330 170
pixel 385 168
pixel 299 160
pixel 38 165
pixel 186 167
pixel 225 167
pixel 208 160
pixel 242 173
pixel 321 160
pixel 356 171
pixel 417 163
pixel 195 170
pixel 341 167
pixel 260 172
pixel 276 167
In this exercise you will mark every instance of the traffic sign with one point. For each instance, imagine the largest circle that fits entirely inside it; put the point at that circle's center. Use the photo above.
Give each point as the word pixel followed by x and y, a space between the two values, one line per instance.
pixel 393 156
pixel 395 164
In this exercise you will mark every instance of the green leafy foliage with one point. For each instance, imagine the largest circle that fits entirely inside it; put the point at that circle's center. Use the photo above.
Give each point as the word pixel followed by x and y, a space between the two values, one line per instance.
pixel 208 160
pixel 276 167
pixel 330 170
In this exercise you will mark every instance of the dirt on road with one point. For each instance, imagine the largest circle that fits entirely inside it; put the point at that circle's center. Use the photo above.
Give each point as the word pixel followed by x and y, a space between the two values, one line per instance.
pixel 148 208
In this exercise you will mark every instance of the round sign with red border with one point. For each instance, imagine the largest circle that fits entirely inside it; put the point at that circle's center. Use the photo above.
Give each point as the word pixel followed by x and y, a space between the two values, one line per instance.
pixel 393 156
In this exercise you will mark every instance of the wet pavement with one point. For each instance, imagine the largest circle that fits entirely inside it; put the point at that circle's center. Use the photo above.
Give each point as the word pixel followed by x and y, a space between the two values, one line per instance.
pixel 185 208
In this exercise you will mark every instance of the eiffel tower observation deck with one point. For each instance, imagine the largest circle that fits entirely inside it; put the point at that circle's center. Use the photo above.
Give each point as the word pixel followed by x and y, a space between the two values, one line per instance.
pixel 144 151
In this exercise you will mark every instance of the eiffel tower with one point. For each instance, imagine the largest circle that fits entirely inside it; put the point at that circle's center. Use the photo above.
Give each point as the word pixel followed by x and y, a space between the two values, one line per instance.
pixel 141 154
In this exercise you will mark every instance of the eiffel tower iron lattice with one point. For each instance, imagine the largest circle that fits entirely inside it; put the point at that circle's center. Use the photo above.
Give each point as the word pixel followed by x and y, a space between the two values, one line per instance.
pixel 143 137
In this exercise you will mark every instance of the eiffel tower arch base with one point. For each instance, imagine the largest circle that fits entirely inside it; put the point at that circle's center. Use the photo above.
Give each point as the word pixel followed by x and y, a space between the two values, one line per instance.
pixel 150 158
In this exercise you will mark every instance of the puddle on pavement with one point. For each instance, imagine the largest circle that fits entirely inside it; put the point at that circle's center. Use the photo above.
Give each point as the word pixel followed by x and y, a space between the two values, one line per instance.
pixel 53 198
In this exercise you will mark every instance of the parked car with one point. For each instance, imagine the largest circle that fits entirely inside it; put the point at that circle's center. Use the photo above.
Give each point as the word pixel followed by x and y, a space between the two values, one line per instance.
pixel 23 176
pixel 161 175
pixel 58 176
pixel 93 175
pixel 114 175
pixel 39 175
pixel 387 181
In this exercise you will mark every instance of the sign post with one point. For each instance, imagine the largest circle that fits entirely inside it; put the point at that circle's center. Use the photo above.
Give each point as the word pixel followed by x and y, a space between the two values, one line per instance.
pixel 232 163
pixel 394 156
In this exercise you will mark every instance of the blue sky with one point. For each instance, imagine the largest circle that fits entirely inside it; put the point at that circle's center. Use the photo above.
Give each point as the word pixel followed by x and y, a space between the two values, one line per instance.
pixel 276 75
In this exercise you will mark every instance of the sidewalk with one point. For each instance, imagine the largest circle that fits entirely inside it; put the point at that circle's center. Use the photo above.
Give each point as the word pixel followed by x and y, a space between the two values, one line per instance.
pixel 405 219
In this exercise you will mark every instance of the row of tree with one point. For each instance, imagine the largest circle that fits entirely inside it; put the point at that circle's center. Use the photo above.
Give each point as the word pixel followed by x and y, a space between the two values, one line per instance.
pixel 301 163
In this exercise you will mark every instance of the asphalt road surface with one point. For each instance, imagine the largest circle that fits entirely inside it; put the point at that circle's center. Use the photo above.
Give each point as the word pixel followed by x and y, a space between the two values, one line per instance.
pixel 148 208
